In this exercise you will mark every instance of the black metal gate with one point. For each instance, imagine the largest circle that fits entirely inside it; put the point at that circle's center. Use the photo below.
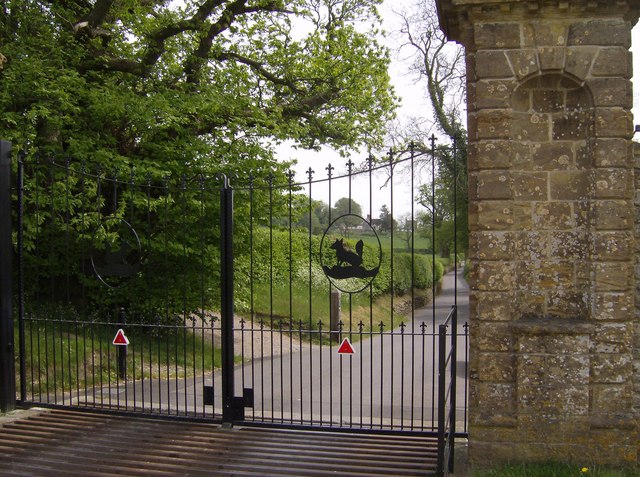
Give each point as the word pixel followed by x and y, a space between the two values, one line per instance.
pixel 252 299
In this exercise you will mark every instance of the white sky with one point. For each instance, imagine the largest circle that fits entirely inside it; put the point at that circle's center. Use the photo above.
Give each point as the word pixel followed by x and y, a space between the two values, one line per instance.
pixel 414 103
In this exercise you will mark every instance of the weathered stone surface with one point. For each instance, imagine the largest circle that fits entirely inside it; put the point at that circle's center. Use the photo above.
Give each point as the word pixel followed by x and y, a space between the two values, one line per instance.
pixel 492 64
pixel 530 246
pixel 492 124
pixel 613 306
pixel 613 338
pixel 500 154
pixel 613 62
pixel 494 276
pixel 494 185
pixel 529 127
pixel 611 398
pixel 553 371
pixel 570 185
pixel 492 245
pixel 497 36
pixel 500 215
pixel 578 61
pixel 611 368
pixel 496 367
pixel 556 401
pixel 613 122
pixel 493 93
pixel 499 341
pixel 523 62
pixel 546 275
pixel 614 184
pixel 503 396
pixel 572 125
pixel 613 276
pixel 555 216
pixel 612 153
pixel 530 185
pixel 603 32
pixel 494 306
pixel 549 33
pixel 554 156
pixel 612 246
pixel 565 303
pixel 612 92
pixel 613 215
pixel 567 245
pixel 551 58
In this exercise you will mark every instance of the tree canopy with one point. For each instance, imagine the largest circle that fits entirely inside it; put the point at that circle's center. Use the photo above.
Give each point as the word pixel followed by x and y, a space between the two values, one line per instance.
pixel 196 83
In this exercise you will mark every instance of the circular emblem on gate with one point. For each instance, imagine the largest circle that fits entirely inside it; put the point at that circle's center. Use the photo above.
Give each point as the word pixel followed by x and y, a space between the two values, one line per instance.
pixel 350 264
pixel 115 251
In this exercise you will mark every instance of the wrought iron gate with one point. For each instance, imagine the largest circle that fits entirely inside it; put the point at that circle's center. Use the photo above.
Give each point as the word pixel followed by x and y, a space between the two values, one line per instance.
pixel 255 299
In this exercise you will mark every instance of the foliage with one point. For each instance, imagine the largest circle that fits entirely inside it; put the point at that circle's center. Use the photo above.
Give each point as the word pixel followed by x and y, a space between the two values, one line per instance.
pixel 317 220
pixel 164 96
pixel 387 222
pixel 171 86
pixel 281 255
pixel 422 276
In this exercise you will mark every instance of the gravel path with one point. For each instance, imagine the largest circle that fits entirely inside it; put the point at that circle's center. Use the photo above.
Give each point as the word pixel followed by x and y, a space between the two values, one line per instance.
pixel 260 338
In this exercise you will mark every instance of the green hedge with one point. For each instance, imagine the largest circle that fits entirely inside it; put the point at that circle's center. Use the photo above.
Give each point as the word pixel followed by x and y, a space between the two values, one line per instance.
pixel 273 259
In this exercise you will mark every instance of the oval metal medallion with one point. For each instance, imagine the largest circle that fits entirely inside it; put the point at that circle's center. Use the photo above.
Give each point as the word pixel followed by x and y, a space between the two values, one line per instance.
pixel 115 252
pixel 350 253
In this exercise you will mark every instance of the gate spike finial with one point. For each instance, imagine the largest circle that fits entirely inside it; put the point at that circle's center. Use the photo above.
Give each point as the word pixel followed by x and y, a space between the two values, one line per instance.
pixel 350 166
pixel 329 170
pixel 370 160
pixel 310 173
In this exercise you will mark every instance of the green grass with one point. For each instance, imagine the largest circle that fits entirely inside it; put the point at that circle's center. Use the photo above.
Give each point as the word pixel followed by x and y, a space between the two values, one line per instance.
pixel 553 469
pixel 281 308
pixel 66 356
pixel 355 309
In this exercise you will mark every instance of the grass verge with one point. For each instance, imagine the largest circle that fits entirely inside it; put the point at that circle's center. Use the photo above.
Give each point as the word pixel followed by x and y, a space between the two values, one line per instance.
pixel 68 356
pixel 554 469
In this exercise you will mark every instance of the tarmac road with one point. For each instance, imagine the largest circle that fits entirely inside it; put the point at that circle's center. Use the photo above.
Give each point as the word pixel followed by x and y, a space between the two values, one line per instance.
pixel 390 380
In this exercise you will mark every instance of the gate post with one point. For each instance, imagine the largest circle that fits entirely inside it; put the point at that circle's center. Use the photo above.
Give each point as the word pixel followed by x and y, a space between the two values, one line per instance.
pixel 7 366
pixel 226 301
pixel 554 334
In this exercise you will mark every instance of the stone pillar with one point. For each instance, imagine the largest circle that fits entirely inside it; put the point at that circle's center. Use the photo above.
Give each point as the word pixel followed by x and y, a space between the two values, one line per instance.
pixel 551 190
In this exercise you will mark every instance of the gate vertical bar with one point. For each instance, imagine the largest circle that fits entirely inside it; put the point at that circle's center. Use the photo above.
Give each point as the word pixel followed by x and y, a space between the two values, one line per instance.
pixel 442 392
pixel 7 364
pixel 21 331
pixel 226 300
pixel 454 323
pixel 453 390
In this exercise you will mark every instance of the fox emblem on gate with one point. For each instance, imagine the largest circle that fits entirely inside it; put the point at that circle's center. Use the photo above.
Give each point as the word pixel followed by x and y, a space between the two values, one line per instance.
pixel 350 267
pixel 344 254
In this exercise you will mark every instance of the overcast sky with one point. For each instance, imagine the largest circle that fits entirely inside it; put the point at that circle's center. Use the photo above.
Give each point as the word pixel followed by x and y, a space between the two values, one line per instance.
pixel 414 103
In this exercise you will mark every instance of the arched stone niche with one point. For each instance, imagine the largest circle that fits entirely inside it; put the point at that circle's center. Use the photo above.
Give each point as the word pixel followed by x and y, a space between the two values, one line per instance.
pixel 552 172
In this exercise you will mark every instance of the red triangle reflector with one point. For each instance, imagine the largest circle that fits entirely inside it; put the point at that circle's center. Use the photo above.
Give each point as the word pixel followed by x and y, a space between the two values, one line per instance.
pixel 120 339
pixel 346 347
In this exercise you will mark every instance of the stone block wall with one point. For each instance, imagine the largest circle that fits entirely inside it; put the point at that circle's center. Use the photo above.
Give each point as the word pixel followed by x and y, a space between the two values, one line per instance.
pixel 636 325
pixel 554 334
